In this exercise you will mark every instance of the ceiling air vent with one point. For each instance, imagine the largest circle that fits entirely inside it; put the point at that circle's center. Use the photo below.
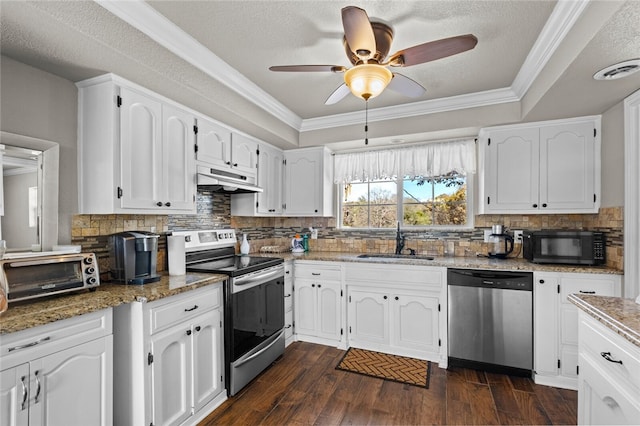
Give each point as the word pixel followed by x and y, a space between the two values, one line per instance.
pixel 619 70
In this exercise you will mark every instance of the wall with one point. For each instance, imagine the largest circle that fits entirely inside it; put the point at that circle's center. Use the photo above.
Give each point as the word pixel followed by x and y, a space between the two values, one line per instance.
pixel 41 105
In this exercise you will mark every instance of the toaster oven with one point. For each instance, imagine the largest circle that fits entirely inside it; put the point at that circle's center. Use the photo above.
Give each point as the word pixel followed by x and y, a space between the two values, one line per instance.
pixel 38 276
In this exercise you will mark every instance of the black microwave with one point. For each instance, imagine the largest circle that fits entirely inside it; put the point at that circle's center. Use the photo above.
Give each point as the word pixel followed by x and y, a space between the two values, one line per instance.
pixel 567 247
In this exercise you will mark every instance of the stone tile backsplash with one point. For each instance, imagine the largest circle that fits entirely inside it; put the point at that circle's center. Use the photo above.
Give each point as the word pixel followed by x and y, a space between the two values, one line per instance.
pixel 214 211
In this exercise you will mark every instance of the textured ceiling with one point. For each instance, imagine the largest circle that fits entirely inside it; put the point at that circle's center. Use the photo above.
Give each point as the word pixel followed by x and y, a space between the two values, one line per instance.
pixel 82 39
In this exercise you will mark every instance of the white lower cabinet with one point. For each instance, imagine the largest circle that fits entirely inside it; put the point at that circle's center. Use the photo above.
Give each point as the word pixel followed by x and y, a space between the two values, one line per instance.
pixel 398 310
pixel 172 354
pixel 609 380
pixel 59 374
pixel 288 302
pixel 556 323
pixel 318 302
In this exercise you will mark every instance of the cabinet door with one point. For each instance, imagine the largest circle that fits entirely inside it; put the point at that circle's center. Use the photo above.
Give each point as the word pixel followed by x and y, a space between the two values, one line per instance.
pixel 415 322
pixel 73 386
pixel 511 170
pixel 303 183
pixel 140 150
pixel 170 378
pixel 1 183
pixel 214 144
pixel 368 315
pixel 244 155
pixel 14 396
pixel 329 317
pixel 178 159
pixel 600 402
pixel 305 307
pixel 567 164
pixel 545 296
pixel 207 358
pixel 270 179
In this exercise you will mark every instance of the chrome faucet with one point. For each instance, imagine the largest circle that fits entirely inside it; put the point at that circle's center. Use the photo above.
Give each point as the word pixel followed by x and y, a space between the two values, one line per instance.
pixel 399 241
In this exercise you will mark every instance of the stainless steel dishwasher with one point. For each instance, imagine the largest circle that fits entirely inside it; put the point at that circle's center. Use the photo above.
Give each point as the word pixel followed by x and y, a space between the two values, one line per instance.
pixel 491 320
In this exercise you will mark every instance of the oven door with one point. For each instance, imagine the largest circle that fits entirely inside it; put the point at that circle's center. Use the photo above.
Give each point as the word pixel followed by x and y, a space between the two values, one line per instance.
pixel 255 325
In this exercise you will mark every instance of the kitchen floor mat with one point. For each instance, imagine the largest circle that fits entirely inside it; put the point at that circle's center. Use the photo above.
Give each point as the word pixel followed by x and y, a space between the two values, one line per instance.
pixel 388 367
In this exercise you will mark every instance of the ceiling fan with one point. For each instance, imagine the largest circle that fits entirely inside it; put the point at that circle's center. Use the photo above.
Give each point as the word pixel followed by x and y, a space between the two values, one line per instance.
pixel 367 44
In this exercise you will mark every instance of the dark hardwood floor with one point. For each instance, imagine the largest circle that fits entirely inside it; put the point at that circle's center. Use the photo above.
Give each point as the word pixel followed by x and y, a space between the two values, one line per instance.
pixel 303 387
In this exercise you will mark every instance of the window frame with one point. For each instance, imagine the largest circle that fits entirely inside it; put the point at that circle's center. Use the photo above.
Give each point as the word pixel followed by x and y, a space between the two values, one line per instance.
pixel 471 195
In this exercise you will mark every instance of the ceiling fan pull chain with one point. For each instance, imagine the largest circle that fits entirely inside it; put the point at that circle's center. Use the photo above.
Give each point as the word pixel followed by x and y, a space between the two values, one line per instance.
pixel 366 122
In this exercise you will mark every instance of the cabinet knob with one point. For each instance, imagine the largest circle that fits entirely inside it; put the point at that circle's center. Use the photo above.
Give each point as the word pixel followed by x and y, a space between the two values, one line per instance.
pixel 235 164
pixel 188 332
pixel 159 204
pixel 228 163
pixel 313 285
pixel 316 210
pixel 384 297
pixel 544 205
pixel 319 285
pixel 168 204
pixel 535 206
pixel 198 328
pixel 397 298
pixel 541 281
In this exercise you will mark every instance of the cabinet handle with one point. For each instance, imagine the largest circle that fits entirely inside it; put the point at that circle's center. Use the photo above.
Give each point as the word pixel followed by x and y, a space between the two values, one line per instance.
pixel 25 393
pixel 228 163
pixel 287 272
pixel 288 326
pixel 168 204
pixel 611 403
pixel 189 332
pixel 191 309
pixel 587 292
pixel 159 204
pixel 198 328
pixel 535 206
pixel 541 281
pixel 28 345
pixel 607 356
pixel 235 164
pixel 39 388
pixel 315 273
pixel 287 295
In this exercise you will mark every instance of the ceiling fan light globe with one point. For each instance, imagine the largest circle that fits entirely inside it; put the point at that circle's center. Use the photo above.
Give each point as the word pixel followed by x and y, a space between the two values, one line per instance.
pixel 367 81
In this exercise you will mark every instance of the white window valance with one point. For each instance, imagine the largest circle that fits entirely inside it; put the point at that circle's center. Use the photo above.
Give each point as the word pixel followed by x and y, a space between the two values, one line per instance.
pixel 428 160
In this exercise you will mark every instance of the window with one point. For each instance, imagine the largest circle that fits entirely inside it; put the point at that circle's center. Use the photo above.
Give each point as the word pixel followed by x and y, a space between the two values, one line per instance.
pixel 433 191
pixel 431 202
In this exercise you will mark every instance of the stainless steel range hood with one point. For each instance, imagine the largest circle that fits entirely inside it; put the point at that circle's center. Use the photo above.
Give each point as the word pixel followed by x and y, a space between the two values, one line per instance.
pixel 222 181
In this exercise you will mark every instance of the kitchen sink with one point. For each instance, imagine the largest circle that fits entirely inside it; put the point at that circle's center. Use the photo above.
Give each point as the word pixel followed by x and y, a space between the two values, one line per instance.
pixel 394 256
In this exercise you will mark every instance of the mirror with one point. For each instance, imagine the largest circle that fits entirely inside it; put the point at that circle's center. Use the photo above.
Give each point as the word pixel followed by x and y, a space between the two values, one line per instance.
pixel 28 193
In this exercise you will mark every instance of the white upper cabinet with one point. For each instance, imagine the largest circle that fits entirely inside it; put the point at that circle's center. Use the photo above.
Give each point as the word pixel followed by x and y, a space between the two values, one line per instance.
pixel 547 167
pixel 270 172
pixel 308 182
pixel 221 148
pixel 135 149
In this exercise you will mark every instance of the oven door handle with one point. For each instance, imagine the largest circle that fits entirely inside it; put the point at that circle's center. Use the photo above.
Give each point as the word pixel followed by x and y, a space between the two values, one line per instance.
pixel 261 351
pixel 259 278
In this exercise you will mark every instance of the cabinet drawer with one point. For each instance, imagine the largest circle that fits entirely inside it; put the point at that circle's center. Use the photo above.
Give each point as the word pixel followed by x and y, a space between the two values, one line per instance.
pixel 586 285
pixel 183 307
pixel 392 273
pixel 319 272
pixel 599 343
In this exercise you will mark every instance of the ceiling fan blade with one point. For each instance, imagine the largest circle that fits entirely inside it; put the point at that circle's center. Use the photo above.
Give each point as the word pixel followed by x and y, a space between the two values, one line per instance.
pixel 308 68
pixel 358 31
pixel 338 94
pixel 433 50
pixel 406 86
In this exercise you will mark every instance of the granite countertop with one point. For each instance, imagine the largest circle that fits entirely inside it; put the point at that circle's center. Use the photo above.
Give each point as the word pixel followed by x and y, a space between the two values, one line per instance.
pixel 27 314
pixel 447 262
pixel 618 314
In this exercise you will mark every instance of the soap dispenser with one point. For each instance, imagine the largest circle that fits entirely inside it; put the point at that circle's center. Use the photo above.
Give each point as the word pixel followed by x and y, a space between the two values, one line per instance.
pixel 244 246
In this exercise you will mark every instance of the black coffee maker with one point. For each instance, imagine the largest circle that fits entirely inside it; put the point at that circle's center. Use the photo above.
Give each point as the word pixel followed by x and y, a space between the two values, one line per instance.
pixel 134 257
pixel 501 244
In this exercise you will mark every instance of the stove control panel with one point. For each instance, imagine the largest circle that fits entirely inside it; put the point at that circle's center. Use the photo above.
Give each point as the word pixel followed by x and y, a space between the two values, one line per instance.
pixel 207 239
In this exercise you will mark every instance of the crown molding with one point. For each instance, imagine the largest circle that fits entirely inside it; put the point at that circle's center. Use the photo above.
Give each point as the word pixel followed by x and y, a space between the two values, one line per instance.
pixel 473 100
pixel 146 19
pixel 562 19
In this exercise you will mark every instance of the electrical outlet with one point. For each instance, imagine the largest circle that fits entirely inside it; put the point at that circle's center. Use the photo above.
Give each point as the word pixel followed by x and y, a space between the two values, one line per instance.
pixel 517 237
